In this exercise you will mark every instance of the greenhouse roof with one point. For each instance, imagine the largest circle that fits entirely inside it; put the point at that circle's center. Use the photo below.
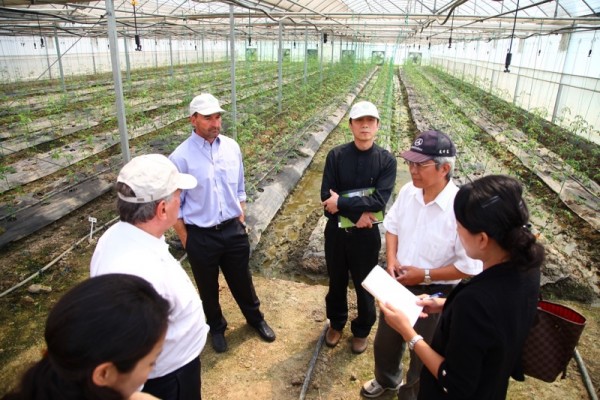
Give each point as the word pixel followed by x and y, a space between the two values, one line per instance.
pixel 385 21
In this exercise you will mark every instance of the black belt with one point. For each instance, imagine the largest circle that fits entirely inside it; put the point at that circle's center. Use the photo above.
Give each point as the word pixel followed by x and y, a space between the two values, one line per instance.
pixel 433 288
pixel 217 227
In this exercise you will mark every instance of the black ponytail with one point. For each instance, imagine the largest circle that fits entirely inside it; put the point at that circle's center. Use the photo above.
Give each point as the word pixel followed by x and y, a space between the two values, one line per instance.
pixel 494 205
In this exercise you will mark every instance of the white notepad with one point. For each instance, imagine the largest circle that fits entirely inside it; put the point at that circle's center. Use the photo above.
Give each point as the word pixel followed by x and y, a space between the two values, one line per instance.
pixel 388 290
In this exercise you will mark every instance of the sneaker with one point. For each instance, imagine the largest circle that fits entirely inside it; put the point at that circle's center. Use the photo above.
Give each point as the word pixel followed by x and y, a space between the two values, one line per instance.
pixel 373 389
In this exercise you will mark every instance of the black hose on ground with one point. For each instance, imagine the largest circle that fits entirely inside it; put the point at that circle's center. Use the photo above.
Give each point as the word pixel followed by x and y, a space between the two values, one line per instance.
pixel 585 376
pixel 313 361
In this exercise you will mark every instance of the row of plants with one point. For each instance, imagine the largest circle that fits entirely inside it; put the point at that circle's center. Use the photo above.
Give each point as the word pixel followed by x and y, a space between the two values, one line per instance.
pixel 568 138
pixel 97 147
pixel 146 87
pixel 103 127
pixel 575 188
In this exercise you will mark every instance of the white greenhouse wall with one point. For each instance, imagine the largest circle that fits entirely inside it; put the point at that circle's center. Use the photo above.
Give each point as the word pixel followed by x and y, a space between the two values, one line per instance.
pixel 554 76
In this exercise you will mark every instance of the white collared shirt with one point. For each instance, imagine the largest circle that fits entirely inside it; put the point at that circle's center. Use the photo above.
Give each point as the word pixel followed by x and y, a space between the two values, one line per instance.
pixel 427 236
pixel 127 249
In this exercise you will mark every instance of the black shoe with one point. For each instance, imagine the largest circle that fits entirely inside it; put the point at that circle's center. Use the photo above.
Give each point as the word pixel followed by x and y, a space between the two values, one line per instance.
pixel 218 342
pixel 265 331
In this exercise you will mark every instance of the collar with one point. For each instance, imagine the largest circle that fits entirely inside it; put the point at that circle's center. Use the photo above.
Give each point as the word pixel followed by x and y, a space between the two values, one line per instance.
pixel 141 235
pixel 362 151
pixel 444 199
pixel 203 142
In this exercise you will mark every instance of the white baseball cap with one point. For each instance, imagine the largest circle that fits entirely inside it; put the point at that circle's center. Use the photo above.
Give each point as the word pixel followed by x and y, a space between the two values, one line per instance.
pixel 364 108
pixel 205 104
pixel 153 177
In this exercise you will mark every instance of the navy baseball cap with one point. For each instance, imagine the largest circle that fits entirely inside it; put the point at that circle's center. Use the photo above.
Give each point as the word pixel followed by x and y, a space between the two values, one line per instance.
pixel 428 145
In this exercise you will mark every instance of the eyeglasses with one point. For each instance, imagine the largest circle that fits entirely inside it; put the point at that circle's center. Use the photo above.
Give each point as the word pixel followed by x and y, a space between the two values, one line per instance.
pixel 418 165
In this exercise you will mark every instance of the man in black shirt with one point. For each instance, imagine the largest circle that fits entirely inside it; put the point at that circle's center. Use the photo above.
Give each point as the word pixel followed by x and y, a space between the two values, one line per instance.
pixel 357 183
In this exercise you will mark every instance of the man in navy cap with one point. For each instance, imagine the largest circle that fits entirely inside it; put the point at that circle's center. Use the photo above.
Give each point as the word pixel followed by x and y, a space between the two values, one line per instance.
pixel 424 254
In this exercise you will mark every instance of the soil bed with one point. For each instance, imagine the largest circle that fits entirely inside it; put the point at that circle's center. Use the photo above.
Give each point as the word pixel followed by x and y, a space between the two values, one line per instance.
pixel 292 300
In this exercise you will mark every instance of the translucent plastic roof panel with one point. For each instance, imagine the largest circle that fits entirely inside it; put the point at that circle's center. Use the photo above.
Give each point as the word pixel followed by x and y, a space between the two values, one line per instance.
pixel 366 20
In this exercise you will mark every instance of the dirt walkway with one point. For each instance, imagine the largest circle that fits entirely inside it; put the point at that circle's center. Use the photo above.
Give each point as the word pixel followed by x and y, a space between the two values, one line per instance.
pixel 253 369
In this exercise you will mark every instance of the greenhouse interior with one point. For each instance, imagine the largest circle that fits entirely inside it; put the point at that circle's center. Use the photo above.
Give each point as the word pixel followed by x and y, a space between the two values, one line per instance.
pixel 88 85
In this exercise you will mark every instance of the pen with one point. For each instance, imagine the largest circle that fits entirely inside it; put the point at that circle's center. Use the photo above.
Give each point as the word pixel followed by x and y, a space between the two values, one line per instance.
pixel 434 296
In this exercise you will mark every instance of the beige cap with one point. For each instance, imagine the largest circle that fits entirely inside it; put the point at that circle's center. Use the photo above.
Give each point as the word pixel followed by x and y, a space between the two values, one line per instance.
pixel 362 109
pixel 205 104
pixel 153 177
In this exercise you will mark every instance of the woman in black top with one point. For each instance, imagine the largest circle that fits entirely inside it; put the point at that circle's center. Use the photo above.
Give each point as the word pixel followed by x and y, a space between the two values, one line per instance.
pixel 484 323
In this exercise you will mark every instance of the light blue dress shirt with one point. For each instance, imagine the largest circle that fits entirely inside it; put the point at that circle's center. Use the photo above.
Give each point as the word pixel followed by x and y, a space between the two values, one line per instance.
pixel 219 169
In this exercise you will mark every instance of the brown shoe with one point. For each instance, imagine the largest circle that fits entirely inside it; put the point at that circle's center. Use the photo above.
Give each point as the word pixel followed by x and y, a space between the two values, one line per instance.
pixel 359 345
pixel 332 337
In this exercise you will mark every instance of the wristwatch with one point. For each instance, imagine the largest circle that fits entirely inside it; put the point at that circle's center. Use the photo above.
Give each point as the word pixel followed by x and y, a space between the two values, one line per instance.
pixel 427 279
pixel 413 341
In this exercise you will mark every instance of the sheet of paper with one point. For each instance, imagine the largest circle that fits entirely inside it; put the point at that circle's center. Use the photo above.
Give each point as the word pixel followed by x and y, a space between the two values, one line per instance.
pixel 388 290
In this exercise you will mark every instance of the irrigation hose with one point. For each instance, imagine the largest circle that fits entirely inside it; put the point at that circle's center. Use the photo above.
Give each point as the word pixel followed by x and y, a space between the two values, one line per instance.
pixel 313 361
pixel 51 263
pixel 585 376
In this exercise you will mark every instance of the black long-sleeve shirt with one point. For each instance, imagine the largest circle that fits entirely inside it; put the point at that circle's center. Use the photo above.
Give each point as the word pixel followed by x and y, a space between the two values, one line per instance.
pixel 481 333
pixel 348 168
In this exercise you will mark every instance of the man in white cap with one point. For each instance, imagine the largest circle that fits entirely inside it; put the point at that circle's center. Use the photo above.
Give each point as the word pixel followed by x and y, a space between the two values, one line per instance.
pixel 424 253
pixel 149 188
pixel 211 219
pixel 357 183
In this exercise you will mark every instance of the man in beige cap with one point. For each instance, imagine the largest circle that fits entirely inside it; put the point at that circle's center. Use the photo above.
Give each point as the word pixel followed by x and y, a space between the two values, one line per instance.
pixel 211 220
pixel 148 188
pixel 357 183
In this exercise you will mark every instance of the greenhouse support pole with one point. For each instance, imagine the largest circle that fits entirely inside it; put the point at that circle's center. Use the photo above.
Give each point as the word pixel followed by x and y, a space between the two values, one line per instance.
pixel 321 61
pixel 114 56
pixel 280 69
pixel 476 64
pixel 60 66
pixel 305 53
pixel 202 38
pixel 332 47
pixel 171 56
pixel 155 53
pixel 561 84
pixel 233 101
pixel 516 94
pixel 48 61
pixel 93 57
pixel 127 64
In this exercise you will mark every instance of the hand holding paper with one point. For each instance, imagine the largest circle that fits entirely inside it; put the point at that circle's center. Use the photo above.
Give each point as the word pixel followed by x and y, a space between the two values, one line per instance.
pixel 387 290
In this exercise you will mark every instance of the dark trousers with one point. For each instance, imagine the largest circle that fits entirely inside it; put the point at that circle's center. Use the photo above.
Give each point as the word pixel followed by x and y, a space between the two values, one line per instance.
pixel 227 247
pixel 389 348
pixel 355 252
pixel 182 384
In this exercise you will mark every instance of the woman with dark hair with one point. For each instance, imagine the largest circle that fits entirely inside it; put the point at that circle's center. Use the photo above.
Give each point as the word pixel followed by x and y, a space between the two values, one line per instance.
pixel 484 322
pixel 103 337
